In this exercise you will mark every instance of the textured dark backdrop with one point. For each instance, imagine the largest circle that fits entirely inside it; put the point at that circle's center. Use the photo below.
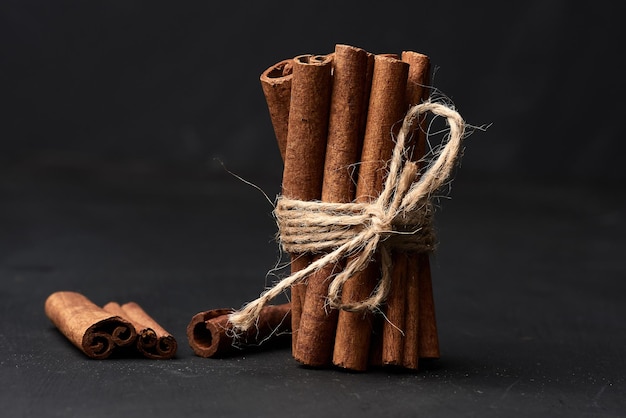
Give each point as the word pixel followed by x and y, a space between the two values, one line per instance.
pixel 178 83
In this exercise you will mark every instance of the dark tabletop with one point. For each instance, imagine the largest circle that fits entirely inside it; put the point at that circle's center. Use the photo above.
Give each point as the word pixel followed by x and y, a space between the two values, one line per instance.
pixel 528 280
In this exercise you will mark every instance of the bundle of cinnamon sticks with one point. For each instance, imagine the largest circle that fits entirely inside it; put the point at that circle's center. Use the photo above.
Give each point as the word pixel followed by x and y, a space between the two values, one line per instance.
pixel 334 117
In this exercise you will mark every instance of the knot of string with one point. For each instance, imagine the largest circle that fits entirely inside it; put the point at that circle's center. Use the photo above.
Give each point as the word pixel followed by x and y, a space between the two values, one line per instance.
pixel 400 218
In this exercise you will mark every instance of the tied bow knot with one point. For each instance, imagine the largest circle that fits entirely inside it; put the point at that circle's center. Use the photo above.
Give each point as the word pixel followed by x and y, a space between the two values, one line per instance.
pixel 399 218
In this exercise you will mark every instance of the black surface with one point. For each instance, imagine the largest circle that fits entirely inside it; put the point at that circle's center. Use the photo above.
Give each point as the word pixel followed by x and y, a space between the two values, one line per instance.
pixel 529 284
pixel 114 119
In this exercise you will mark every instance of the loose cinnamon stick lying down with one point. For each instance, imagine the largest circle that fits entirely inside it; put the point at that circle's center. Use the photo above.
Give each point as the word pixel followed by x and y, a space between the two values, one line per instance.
pixel 96 332
pixel 153 341
pixel 210 334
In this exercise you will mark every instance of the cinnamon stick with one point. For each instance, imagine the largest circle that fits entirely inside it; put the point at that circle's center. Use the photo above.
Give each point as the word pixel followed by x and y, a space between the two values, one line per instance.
pixel 153 341
pixel 428 340
pixel 316 333
pixel 210 334
pixel 276 85
pixel 401 330
pixel 94 331
pixel 386 108
pixel 305 150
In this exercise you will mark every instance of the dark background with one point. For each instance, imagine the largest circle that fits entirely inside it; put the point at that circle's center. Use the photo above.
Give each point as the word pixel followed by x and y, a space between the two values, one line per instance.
pixel 116 116
pixel 178 84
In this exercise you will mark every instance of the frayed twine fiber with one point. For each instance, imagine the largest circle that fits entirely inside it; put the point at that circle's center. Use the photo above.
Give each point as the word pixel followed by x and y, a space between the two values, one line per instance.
pixel 401 217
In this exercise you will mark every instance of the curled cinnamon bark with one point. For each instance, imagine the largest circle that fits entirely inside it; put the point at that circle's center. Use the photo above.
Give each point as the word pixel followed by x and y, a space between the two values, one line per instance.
pixel 94 331
pixel 210 334
pixel 153 341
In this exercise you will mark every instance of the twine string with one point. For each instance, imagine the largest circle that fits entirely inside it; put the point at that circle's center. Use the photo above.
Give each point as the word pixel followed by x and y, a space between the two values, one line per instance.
pixel 401 217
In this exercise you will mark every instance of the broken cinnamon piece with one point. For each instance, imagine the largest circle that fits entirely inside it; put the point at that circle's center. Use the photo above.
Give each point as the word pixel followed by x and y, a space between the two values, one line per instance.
pixel 153 341
pixel 211 335
pixel 94 331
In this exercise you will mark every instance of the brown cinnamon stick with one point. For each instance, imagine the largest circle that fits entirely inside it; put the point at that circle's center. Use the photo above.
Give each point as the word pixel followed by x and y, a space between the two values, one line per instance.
pixel 94 331
pixel 305 150
pixel 153 341
pixel 210 334
pixel 276 85
pixel 316 333
pixel 386 108
pixel 401 330
pixel 428 340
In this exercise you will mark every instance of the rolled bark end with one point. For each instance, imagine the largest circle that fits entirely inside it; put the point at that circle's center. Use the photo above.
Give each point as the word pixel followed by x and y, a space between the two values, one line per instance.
pixel 94 331
pixel 203 335
pixel 103 338
pixel 314 59
pixel 156 347
pixel 153 341
pixel 210 333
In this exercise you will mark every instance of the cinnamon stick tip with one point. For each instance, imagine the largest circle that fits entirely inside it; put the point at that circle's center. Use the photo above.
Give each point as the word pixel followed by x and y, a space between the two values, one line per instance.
pixel 390 59
pixel 415 55
pixel 339 47
pixel 156 347
pixel 279 72
pixel 310 59
pixel 102 338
